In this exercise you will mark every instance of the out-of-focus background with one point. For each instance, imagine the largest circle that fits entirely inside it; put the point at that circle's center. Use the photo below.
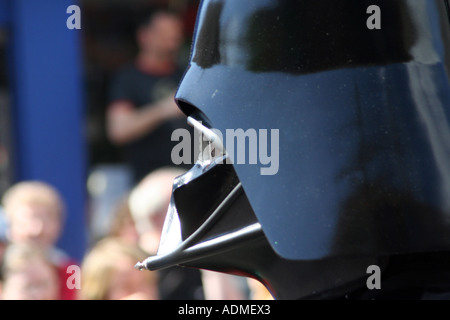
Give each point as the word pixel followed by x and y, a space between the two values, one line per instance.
pixel 53 95
pixel 75 83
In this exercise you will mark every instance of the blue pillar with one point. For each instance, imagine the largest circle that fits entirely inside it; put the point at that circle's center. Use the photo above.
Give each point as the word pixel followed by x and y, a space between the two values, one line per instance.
pixel 46 80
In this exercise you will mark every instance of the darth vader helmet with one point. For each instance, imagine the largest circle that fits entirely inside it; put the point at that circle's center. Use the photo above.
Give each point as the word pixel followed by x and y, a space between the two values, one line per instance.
pixel 327 131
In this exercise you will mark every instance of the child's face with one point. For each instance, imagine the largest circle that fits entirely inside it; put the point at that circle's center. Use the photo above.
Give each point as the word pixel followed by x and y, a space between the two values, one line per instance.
pixel 37 281
pixel 126 283
pixel 36 224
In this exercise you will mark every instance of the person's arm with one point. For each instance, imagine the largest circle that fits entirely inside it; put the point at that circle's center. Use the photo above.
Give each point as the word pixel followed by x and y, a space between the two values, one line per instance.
pixel 126 123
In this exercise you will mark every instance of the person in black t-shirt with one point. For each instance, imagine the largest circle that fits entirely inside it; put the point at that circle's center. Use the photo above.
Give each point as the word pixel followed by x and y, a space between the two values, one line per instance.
pixel 142 113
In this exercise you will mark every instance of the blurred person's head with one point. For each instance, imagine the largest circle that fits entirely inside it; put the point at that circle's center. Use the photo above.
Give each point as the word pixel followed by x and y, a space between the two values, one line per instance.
pixel 148 203
pixel 34 211
pixel 161 33
pixel 108 273
pixel 122 225
pixel 258 291
pixel 28 274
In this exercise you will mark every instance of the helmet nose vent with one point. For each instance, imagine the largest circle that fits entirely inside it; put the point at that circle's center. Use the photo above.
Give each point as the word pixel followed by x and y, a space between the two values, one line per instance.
pixel 191 110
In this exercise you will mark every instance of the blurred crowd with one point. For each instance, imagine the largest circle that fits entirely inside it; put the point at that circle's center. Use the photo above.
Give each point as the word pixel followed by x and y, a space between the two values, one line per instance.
pixel 140 118
pixel 33 268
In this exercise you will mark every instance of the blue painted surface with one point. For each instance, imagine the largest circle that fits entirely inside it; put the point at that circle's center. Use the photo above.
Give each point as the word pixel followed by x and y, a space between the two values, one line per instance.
pixel 4 13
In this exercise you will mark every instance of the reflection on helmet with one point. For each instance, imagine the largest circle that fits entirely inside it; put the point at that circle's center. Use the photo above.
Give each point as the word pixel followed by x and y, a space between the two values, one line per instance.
pixel 364 144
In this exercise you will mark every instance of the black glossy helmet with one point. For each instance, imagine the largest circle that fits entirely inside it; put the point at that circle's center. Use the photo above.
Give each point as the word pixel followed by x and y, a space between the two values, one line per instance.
pixel 350 102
